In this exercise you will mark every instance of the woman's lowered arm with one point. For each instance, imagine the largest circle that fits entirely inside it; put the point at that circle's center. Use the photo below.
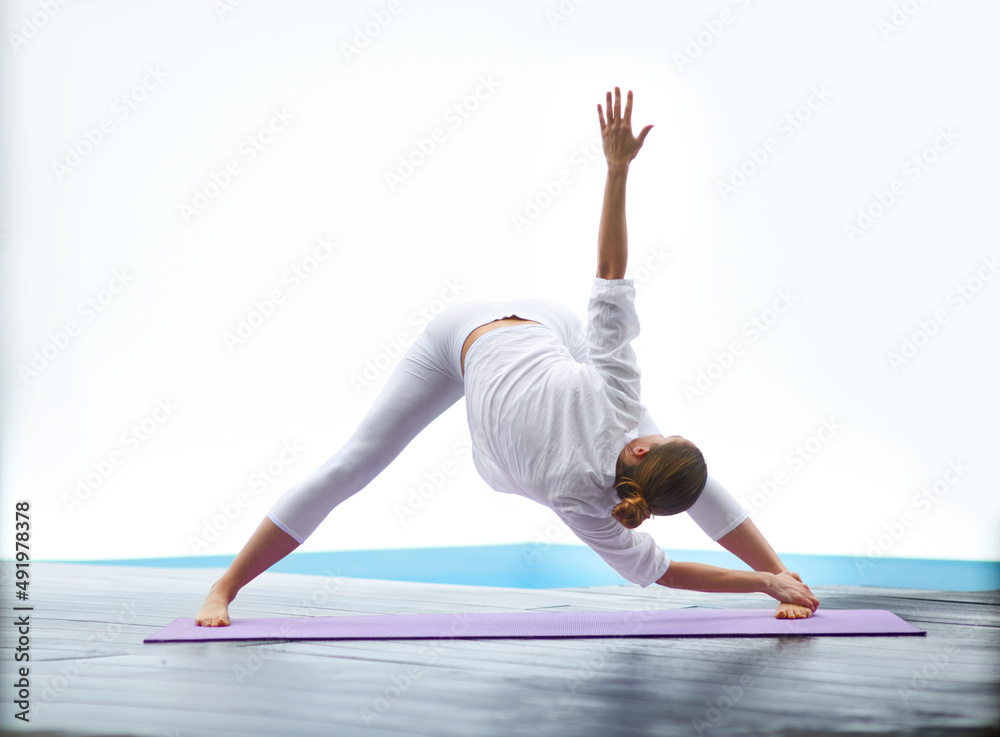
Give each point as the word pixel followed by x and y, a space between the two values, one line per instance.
pixel 786 586
pixel 747 543
pixel 620 147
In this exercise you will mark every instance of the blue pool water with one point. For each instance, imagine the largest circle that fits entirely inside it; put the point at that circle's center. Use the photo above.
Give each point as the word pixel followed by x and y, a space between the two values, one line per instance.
pixel 538 566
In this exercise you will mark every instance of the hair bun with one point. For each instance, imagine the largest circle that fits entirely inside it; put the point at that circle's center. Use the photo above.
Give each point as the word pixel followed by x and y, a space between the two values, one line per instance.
pixel 632 511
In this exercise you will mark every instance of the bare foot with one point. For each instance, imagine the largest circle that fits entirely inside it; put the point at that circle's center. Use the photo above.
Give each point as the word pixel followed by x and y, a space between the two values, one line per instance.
pixel 787 610
pixel 214 611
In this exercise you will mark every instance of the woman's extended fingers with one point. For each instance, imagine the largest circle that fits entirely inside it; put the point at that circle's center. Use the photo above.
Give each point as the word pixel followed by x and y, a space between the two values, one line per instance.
pixel 615 113
pixel 811 598
pixel 600 113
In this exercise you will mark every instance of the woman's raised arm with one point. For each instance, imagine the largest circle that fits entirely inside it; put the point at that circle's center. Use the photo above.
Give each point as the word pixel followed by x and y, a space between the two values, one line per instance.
pixel 620 147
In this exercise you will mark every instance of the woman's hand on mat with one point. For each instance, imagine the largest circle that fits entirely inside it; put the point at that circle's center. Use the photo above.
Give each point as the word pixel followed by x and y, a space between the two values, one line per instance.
pixel 620 146
pixel 788 587
pixel 788 610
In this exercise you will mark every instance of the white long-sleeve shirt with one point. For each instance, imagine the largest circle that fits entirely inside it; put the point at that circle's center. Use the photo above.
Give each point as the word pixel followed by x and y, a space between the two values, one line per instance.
pixel 548 422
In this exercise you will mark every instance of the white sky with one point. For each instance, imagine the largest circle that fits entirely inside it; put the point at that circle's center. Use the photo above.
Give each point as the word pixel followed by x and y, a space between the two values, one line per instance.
pixel 707 264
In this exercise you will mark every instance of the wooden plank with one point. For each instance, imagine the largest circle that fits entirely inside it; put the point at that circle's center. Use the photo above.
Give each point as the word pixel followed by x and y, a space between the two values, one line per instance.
pixel 92 619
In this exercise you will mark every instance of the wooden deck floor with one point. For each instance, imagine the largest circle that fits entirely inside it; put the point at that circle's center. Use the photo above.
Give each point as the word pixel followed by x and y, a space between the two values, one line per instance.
pixel 91 673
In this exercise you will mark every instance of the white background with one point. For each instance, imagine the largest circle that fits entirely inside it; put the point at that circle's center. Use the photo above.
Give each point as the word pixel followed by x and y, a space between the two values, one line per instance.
pixel 706 263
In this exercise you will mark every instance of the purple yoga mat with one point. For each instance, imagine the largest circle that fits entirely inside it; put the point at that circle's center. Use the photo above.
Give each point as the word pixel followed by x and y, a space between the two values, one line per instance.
pixel 448 625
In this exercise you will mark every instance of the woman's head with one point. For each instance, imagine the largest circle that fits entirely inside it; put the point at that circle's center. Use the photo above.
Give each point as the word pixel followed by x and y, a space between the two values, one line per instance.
pixel 657 475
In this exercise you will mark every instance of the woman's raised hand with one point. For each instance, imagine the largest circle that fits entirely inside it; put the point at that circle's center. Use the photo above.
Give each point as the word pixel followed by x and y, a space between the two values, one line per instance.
pixel 620 146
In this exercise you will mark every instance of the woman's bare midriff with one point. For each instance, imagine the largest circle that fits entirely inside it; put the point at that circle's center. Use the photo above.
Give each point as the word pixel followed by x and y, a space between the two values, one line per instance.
pixel 483 329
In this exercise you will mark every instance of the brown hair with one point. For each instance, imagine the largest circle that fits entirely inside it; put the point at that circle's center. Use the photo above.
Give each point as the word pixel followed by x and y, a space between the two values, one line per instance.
pixel 668 480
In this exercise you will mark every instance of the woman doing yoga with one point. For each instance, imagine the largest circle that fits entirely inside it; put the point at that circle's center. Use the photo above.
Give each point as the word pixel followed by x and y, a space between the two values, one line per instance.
pixel 554 415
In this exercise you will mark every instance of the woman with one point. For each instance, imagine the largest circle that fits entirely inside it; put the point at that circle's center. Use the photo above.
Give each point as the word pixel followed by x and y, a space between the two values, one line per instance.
pixel 554 415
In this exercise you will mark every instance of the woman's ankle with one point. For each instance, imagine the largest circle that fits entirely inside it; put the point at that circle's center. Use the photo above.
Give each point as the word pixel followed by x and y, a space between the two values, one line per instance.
pixel 224 589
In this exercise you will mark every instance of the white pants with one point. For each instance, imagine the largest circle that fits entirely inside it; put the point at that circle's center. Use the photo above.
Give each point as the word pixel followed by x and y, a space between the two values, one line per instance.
pixel 427 381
